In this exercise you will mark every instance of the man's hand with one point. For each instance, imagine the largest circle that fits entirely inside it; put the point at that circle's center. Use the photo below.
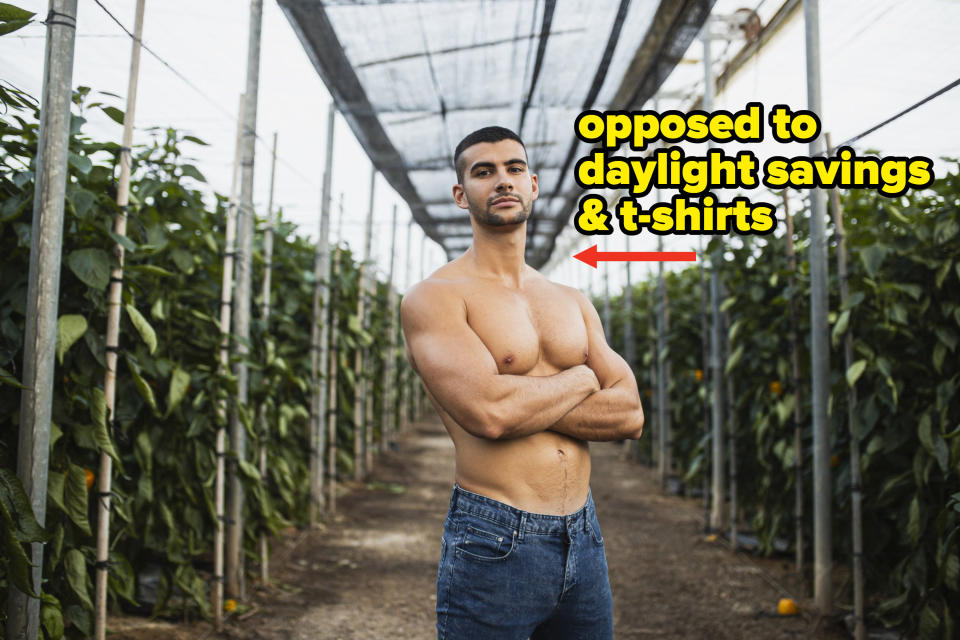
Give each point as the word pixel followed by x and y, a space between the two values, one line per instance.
pixel 613 412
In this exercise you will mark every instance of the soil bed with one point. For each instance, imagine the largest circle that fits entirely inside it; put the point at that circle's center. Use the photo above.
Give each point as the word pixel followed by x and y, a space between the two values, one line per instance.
pixel 370 571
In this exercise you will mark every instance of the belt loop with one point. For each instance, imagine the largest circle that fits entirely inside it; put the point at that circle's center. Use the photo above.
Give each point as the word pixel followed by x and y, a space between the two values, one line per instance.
pixel 453 500
pixel 522 525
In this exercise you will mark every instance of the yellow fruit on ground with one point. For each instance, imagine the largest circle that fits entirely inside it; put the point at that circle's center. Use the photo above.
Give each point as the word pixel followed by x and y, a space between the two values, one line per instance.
pixel 787 607
pixel 90 477
pixel 699 374
pixel 776 388
pixel 230 605
pixel 712 537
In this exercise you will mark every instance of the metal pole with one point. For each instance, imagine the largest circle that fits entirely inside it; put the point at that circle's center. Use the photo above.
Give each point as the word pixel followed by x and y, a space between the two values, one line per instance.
pixel 405 371
pixel 320 332
pixel 856 493
pixel 113 331
pixel 359 404
pixel 416 388
pixel 731 442
pixel 241 319
pixel 334 356
pixel 265 317
pixel 705 384
pixel 795 360
pixel 387 413
pixel 607 327
pixel 226 296
pixel 628 343
pixel 43 290
pixel 367 382
pixel 716 512
pixel 819 345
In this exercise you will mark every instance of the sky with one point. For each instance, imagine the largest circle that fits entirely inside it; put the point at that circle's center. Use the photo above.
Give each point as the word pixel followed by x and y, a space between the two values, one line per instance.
pixel 878 57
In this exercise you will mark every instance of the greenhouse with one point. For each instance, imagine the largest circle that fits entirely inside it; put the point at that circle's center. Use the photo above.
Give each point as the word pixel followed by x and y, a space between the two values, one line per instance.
pixel 665 347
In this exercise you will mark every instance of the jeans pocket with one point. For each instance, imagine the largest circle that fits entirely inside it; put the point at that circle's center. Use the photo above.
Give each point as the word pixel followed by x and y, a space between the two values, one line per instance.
pixel 595 533
pixel 488 542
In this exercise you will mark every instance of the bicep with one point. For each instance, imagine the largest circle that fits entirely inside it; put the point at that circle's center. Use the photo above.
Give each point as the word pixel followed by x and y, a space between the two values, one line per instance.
pixel 449 356
pixel 609 366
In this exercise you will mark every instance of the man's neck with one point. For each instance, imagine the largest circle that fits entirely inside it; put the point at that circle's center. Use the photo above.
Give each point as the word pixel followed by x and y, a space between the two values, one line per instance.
pixel 498 252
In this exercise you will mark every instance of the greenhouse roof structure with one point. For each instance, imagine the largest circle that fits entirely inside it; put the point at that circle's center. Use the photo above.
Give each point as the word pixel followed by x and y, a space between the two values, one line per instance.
pixel 412 78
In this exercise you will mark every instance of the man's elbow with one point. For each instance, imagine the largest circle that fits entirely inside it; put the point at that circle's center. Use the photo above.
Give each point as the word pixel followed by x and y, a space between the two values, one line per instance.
pixel 487 424
pixel 633 427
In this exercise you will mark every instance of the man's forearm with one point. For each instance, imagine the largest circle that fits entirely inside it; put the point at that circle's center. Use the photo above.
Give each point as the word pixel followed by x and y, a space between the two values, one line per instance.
pixel 609 414
pixel 530 404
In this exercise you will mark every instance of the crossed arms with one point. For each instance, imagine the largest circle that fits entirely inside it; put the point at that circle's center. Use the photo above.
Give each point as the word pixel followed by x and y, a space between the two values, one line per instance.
pixel 594 401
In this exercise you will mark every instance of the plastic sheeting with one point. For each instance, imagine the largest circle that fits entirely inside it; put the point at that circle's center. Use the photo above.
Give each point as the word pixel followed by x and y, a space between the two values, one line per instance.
pixel 413 78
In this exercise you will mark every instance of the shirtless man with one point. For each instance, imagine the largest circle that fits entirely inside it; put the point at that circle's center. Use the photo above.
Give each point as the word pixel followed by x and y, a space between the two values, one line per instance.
pixel 520 372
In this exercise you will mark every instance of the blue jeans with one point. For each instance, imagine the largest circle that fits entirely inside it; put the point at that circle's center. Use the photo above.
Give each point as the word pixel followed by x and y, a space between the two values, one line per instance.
pixel 507 574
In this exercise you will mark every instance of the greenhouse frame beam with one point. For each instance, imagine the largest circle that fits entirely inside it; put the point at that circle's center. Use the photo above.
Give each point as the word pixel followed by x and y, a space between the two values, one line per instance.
pixel 43 292
pixel 548 9
pixel 479 45
pixel 674 26
pixel 326 53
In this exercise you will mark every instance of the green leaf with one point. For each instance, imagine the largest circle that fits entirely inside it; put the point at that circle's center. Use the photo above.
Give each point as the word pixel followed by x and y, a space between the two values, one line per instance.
pixel 142 387
pixel 113 113
pixel 55 483
pixel 76 568
pixel 179 381
pixel 10 26
pixel 840 328
pixel 17 564
pixel 143 326
pixel 16 505
pixel 929 622
pixel 51 617
pixel 70 328
pixel 92 266
pixel 9 12
pixel 128 245
pixel 150 269
pixel 939 353
pixel 191 171
pixel 727 304
pixel 196 140
pixel 101 434
pixel 943 271
pixel 249 470
pixel 75 497
pixel 83 164
pixel 81 199
pixel 872 257
pixel 855 371
pixel 913 524
pixel 8 379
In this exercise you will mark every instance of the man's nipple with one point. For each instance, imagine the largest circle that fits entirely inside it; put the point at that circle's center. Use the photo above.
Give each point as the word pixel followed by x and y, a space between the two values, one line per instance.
pixel 508 359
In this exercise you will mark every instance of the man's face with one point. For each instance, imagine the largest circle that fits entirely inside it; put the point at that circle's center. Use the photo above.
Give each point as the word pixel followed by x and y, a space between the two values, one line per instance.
pixel 498 188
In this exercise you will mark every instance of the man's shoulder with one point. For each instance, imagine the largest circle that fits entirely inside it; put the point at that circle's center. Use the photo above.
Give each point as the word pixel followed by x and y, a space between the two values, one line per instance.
pixel 436 293
pixel 557 289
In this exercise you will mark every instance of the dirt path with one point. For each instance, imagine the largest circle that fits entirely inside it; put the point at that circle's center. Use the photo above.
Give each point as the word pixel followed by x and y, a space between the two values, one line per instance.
pixel 370 572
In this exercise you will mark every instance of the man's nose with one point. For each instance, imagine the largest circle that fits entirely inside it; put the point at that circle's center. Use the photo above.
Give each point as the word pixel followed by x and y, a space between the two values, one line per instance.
pixel 504 183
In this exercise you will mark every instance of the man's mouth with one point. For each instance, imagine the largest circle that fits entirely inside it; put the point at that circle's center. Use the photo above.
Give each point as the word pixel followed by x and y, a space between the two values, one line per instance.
pixel 504 202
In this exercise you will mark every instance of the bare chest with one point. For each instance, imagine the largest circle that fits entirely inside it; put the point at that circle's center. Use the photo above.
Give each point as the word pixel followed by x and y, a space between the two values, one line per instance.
pixel 537 332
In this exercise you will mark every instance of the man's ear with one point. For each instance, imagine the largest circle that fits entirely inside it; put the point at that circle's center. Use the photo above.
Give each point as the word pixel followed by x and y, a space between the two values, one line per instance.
pixel 536 187
pixel 460 196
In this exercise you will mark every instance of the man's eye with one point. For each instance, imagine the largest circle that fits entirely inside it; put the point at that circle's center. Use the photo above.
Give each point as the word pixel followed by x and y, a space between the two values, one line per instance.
pixel 516 169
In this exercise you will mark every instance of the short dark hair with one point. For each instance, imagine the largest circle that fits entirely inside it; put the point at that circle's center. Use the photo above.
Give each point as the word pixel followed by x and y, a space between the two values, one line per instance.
pixel 486 134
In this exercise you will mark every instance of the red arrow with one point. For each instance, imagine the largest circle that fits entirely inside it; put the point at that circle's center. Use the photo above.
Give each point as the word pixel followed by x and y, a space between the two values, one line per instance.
pixel 591 256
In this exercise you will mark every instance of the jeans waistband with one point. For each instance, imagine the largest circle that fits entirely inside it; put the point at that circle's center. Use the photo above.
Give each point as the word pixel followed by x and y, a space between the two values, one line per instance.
pixel 475 504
